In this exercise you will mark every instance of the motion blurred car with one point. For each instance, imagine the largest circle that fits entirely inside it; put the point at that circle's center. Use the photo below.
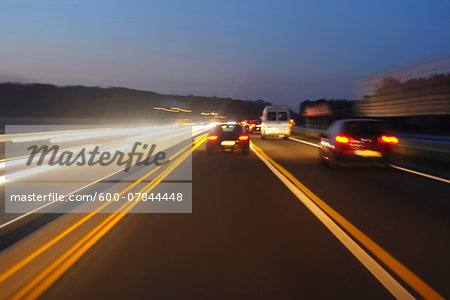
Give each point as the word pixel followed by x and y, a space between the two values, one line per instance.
pixel 291 123
pixel 255 126
pixel 245 125
pixel 228 137
pixel 356 141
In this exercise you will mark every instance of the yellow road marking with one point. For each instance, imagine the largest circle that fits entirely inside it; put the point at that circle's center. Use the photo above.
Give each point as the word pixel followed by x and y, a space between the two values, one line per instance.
pixel 40 250
pixel 392 263
pixel 51 273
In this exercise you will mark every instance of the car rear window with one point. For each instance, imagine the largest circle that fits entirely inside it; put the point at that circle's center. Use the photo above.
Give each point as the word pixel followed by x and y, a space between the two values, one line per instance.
pixel 282 116
pixel 364 128
pixel 229 128
pixel 271 116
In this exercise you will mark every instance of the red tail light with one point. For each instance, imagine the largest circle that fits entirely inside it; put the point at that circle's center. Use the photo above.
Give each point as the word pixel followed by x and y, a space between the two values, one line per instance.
pixel 343 139
pixel 213 137
pixel 243 138
pixel 388 139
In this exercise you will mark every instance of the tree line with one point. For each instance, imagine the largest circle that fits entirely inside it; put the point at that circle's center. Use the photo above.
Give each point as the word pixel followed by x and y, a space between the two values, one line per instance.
pixel 46 100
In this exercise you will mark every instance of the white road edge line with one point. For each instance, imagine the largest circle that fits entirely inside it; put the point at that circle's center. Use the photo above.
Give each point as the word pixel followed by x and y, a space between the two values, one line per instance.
pixel 394 166
pixel 421 174
pixel 304 142
pixel 392 285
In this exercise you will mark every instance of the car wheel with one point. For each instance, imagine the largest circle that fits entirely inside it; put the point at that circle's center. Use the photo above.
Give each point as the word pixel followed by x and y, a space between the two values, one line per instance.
pixel 333 162
pixel 246 151
pixel 263 136
pixel 286 137
pixel 322 159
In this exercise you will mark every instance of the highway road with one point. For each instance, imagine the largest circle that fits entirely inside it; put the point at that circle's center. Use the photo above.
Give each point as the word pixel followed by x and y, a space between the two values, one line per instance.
pixel 273 225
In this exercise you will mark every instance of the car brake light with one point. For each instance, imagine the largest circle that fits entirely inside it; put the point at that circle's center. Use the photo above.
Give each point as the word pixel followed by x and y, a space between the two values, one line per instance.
pixel 243 137
pixel 253 125
pixel 213 137
pixel 343 139
pixel 388 139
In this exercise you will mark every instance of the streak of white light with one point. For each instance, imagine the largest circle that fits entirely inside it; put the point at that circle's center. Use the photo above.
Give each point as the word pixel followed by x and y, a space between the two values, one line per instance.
pixel 168 137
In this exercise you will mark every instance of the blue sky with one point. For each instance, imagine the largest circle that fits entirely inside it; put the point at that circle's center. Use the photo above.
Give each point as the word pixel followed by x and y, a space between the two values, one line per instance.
pixel 280 51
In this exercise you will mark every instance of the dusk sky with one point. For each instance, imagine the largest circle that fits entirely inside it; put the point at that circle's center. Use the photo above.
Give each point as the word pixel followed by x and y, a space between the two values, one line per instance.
pixel 279 51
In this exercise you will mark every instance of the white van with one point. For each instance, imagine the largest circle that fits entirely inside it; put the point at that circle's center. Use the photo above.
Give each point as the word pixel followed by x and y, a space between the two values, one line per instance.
pixel 275 122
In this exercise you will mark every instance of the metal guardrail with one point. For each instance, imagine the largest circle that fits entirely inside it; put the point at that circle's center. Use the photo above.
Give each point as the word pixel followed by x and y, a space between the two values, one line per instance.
pixel 308 133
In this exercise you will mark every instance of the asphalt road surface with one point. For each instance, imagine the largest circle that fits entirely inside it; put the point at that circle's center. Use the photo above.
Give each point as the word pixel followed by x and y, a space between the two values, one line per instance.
pixel 250 235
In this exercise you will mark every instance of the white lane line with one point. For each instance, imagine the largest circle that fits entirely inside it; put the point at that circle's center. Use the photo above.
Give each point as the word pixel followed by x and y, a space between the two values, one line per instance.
pixel 24 158
pixel 81 188
pixel 394 166
pixel 304 142
pixel 50 203
pixel 392 285
pixel 421 174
